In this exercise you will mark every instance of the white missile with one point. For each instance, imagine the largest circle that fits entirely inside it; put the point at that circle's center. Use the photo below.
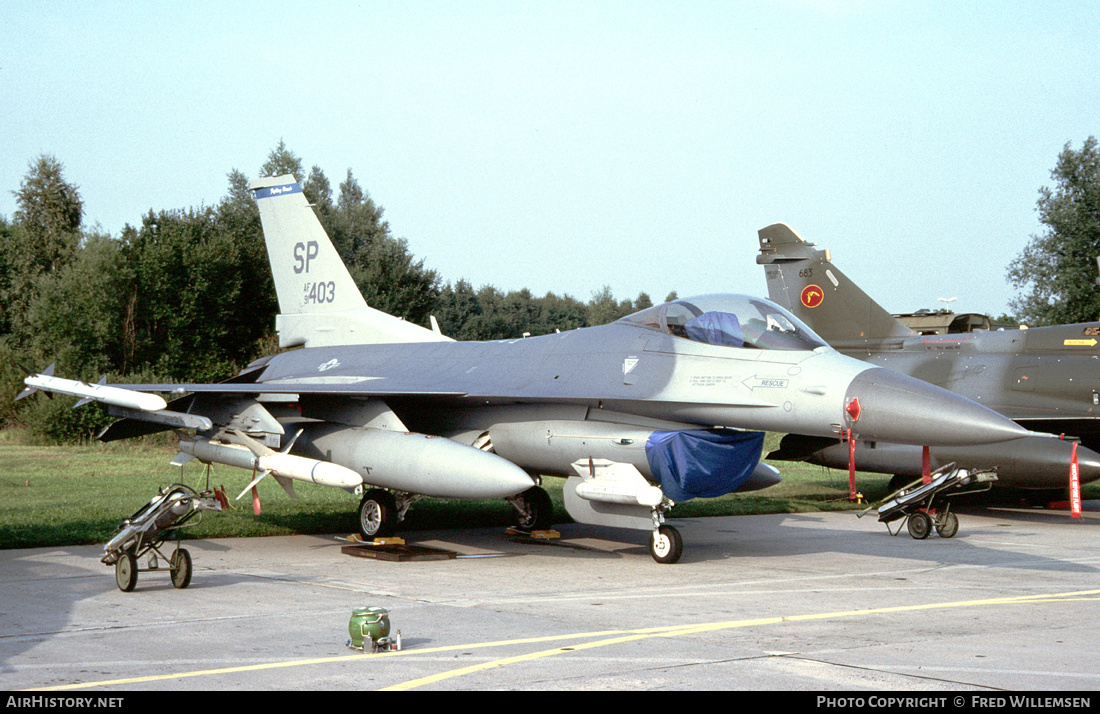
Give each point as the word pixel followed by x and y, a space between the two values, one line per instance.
pixel 301 468
pixel 100 392
pixel 280 465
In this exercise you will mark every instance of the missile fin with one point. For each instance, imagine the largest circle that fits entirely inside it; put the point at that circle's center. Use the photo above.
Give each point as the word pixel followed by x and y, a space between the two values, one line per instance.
pixel 288 447
pixel 254 446
pixel 181 458
pixel 287 484
pixel 253 483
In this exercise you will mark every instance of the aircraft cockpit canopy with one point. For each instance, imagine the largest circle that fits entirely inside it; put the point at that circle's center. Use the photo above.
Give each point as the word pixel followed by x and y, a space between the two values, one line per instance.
pixel 729 321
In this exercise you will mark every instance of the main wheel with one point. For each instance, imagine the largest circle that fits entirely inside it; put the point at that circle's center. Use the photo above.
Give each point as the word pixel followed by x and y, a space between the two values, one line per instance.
pixel 180 567
pixel 536 510
pixel 949 527
pixel 377 514
pixel 126 572
pixel 665 545
pixel 920 525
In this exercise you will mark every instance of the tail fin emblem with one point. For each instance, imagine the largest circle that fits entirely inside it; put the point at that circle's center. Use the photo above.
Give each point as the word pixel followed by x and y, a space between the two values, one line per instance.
pixel 812 296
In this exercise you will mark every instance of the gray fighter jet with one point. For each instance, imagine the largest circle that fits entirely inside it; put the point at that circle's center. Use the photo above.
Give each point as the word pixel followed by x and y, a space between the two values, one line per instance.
pixel 664 405
pixel 1046 378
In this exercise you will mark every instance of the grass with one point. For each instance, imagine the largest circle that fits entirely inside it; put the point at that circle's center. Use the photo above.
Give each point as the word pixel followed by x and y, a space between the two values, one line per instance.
pixel 70 495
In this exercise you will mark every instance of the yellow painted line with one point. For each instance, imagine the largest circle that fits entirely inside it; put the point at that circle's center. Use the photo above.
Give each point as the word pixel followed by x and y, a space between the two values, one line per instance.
pixel 674 631
pixel 612 637
pixel 319 660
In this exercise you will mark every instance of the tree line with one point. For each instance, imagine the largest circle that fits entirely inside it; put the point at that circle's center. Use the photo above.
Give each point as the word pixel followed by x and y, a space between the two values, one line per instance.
pixel 1057 271
pixel 187 294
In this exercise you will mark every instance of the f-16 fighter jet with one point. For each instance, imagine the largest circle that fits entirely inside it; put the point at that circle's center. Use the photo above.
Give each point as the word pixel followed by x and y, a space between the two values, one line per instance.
pixel 662 406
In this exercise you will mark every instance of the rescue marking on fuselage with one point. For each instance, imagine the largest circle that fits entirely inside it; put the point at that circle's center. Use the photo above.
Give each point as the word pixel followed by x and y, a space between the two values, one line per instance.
pixel 755 382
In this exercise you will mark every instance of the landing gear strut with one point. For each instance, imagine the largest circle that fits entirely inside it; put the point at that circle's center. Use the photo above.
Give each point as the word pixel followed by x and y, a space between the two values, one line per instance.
pixel 665 545
pixel 534 509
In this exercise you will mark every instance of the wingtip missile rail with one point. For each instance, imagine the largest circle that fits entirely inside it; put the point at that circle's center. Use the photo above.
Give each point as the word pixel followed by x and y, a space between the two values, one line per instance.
pixel 101 392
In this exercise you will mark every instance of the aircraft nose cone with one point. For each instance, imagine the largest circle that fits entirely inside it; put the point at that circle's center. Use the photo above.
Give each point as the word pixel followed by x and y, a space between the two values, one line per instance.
pixel 882 405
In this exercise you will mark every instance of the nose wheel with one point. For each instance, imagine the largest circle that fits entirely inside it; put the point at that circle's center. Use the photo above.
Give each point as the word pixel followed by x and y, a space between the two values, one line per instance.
pixel 666 545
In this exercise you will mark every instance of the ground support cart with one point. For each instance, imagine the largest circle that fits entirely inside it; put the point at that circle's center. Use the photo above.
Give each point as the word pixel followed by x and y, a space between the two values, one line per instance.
pixel 925 506
pixel 143 533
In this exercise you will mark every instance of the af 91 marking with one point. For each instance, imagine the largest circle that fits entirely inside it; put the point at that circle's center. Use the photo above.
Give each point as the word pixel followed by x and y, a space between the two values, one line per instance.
pixel 318 293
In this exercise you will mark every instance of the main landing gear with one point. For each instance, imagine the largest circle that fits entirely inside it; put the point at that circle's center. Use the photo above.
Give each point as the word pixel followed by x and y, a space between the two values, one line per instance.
pixel 534 509
pixel 377 514
pixel 380 512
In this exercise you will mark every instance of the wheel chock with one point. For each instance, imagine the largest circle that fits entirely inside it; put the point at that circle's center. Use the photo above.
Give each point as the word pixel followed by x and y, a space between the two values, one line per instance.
pixel 534 535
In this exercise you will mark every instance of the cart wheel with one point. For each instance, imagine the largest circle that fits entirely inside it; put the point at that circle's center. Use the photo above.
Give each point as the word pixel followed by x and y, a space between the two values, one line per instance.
pixel 920 525
pixel 949 527
pixel 180 567
pixel 665 545
pixel 126 572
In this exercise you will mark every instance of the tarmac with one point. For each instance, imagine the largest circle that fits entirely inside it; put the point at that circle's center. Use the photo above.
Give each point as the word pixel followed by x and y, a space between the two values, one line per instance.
pixel 797 602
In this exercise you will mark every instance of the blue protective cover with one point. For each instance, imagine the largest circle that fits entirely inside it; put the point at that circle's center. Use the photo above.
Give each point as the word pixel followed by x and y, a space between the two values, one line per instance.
pixel 702 463
pixel 716 328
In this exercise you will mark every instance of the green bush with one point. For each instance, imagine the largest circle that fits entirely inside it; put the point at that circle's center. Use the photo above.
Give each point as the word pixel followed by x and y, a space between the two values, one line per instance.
pixel 55 421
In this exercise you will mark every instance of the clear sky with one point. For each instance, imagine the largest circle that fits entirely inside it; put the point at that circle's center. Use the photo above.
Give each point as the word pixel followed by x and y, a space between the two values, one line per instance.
pixel 564 146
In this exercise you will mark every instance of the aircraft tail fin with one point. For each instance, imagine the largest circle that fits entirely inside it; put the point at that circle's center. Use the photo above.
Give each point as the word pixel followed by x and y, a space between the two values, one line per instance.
pixel 805 281
pixel 319 303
